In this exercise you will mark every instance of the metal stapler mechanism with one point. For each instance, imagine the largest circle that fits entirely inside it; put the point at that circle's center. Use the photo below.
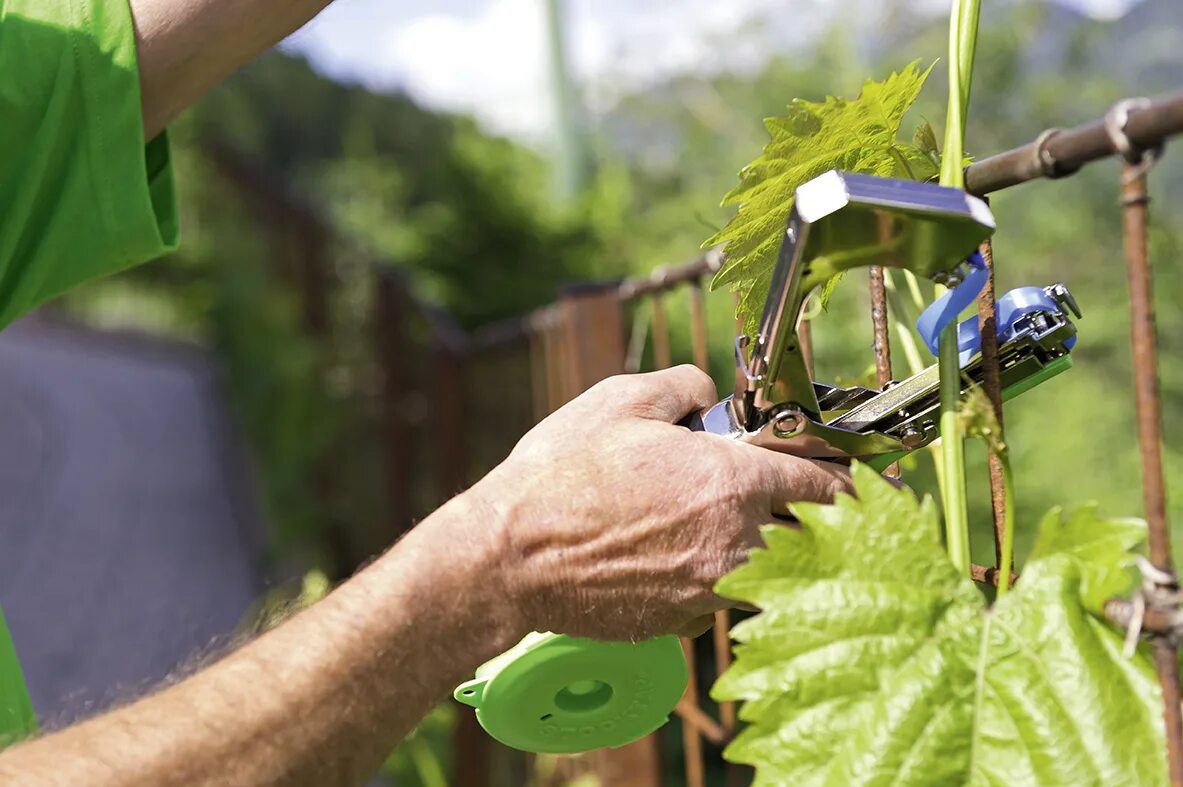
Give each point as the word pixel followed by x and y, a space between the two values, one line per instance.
pixel 841 221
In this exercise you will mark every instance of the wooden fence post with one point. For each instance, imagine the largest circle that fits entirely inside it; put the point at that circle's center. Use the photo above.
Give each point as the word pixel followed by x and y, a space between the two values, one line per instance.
pixel 592 335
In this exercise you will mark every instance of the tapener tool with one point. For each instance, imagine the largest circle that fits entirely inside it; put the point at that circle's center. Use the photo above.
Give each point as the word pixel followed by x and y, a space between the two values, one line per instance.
pixel 555 693
pixel 841 221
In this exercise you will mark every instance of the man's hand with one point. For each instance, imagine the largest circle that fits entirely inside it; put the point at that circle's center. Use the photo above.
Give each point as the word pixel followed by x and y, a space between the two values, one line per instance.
pixel 617 523
pixel 606 520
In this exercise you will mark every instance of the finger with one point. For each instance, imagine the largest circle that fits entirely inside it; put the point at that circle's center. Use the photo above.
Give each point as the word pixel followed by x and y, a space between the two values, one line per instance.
pixel 792 479
pixel 696 627
pixel 670 394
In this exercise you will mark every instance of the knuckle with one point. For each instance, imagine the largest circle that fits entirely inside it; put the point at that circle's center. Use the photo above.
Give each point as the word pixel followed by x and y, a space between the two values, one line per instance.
pixel 693 374
pixel 831 483
pixel 699 383
pixel 618 387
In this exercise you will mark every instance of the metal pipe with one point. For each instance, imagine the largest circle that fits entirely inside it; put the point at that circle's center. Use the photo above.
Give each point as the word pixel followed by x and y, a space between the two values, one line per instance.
pixel 670 278
pixel 1057 152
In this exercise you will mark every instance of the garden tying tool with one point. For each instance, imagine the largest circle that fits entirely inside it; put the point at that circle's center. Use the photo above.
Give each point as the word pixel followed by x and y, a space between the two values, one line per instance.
pixel 559 694
pixel 841 221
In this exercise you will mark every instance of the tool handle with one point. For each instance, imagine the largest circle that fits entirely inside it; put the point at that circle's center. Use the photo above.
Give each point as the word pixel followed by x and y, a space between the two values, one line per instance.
pixel 693 422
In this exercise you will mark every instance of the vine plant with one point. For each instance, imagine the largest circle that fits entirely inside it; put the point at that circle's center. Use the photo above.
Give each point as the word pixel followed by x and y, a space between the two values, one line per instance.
pixel 875 659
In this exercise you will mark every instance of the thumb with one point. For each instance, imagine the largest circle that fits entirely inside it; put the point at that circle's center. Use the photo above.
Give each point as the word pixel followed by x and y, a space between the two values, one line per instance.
pixel 667 395
pixel 793 479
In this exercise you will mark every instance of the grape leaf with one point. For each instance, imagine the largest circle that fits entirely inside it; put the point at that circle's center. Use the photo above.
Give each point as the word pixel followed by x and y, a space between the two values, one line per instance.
pixel 855 136
pixel 875 662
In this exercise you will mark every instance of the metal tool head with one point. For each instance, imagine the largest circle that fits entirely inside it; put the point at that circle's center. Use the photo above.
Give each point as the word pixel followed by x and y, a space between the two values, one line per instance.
pixel 841 221
pixel 1035 336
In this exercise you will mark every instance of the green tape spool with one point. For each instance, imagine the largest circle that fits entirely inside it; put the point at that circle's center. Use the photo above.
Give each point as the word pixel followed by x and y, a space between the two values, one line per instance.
pixel 556 694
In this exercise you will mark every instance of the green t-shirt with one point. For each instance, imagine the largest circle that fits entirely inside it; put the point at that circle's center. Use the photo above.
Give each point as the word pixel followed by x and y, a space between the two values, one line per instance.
pixel 81 194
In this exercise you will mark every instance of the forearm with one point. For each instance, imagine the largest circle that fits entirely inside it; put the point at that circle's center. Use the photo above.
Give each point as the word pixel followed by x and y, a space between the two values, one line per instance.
pixel 185 47
pixel 319 700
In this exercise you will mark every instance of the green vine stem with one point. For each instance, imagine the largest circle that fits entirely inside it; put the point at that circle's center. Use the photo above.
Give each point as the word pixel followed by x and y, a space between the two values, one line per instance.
pixel 953 455
pixel 903 318
pixel 963 33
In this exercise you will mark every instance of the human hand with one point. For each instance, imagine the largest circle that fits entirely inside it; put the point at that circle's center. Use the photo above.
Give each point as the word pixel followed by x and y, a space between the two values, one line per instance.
pixel 615 524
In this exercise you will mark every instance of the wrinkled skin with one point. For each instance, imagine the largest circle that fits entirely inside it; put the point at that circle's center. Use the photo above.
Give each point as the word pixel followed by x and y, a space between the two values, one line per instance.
pixel 619 522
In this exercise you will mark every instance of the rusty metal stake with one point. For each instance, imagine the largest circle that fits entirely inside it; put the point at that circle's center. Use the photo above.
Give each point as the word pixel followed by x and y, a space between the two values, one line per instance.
pixel 881 339
pixel 879 327
pixel 992 385
pixel 988 575
pixel 1142 337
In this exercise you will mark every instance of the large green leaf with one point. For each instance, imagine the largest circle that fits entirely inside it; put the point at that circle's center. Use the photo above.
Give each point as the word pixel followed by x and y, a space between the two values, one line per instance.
pixel 855 136
pixel 874 662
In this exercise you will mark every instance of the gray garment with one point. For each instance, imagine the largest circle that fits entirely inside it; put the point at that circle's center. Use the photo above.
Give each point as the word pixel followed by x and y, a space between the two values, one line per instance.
pixel 129 540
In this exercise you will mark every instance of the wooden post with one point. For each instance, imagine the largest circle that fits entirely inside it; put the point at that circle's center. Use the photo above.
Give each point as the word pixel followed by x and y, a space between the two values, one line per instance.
pixel 592 335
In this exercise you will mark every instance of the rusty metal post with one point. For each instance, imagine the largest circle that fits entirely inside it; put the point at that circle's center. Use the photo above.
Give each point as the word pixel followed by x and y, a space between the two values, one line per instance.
pixel 881 339
pixel 992 385
pixel 1134 201
pixel 879 327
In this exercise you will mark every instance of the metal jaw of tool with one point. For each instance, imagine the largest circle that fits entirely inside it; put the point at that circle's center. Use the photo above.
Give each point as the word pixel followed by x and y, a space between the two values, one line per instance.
pixel 841 221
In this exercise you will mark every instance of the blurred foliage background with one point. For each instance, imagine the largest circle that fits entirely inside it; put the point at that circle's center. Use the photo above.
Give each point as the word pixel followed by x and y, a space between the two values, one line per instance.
pixel 469 220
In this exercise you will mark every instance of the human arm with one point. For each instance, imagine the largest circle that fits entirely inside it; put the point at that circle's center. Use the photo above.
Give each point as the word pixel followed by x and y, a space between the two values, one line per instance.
pixel 185 47
pixel 605 521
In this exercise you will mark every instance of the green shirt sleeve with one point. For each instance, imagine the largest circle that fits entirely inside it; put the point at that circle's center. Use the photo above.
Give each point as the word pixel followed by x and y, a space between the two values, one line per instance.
pixel 16 712
pixel 81 194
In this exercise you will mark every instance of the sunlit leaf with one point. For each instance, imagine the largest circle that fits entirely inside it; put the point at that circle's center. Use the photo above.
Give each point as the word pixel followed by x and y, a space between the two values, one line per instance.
pixel 813 138
pixel 874 661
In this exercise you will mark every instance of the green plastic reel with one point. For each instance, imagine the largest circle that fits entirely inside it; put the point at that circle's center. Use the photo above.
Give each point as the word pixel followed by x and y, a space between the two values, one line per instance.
pixel 556 694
